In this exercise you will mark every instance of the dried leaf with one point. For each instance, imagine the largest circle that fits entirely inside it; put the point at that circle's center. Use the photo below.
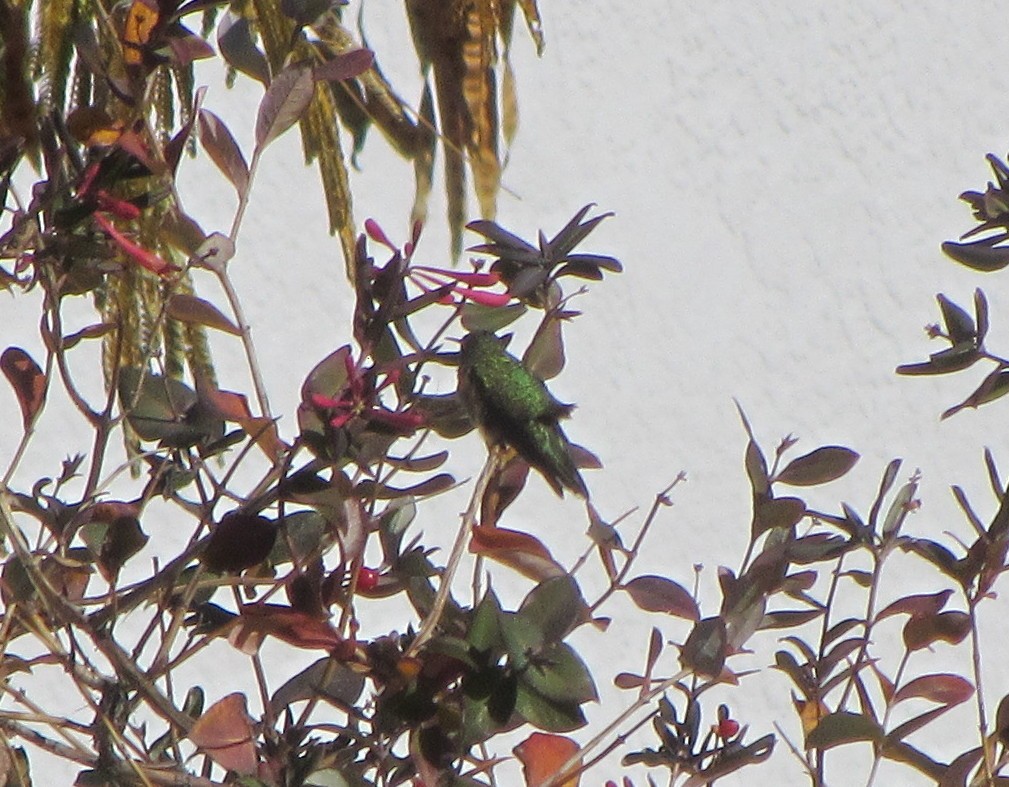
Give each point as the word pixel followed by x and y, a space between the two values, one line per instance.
pixel 542 755
pixel 225 733
pixel 190 309
pixel 27 380
pixel 520 551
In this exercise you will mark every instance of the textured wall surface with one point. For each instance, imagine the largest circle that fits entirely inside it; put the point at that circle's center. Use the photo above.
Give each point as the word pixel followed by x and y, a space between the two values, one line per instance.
pixel 782 176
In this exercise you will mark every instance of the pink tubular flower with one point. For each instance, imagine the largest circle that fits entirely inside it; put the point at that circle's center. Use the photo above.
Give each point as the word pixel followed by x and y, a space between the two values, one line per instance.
pixel 465 284
pixel 136 252
pixel 462 285
pixel 360 399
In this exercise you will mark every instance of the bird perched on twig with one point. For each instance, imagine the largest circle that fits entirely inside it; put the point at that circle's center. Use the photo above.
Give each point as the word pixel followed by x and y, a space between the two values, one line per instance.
pixel 513 407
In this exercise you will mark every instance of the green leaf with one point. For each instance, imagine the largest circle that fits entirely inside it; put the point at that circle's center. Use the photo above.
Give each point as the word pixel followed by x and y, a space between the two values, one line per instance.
pixel 553 608
pixel 706 648
pixel 484 633
pixel 837 729
pixel 559 674
pixel 545 713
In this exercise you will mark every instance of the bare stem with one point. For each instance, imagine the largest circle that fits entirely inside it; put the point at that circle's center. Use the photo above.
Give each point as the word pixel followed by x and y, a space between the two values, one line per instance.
pixel 461 540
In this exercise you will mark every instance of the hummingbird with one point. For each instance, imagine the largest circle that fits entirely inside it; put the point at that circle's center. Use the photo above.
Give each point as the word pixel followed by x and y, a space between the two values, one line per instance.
pixel 513 408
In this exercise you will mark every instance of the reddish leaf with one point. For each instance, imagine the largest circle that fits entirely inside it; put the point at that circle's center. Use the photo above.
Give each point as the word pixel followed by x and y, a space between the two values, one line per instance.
pixel 628 680
pixel 223 150
pixel 190 309
pixel 90 332
pixel 951 627
pixel 946 689
pixel 776 513
pixel 818 467
pixel 917 605
pixel 543 755
pixel 520 551
pixel 225 734
pixel 658 594
pixel 299 629
pixel 27 380
pixel 285 102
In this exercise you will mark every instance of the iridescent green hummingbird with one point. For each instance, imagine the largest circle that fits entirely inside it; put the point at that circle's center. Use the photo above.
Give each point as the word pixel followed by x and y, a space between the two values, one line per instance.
pixel 513 407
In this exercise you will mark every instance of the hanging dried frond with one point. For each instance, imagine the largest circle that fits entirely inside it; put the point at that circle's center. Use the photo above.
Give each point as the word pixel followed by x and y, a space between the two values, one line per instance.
pixel 457 41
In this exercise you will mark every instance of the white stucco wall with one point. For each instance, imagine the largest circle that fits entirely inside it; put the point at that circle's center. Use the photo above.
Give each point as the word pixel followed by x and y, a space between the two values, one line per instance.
pixel 782 176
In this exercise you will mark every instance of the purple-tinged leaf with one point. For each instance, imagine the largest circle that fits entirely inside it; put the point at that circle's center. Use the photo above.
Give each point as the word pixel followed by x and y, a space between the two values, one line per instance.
pixel 959 325
pixel 776 513
pixel 599 261
pixel 825 464
pixel 943 688
pixel 220 145
pixel 978 255
pixel 286 100
pixel 935 553
pixel 345 66
pixel 952 359
pixel 658 594
pixel 544 356
pixel 994 386
pixel 837 729
pixel 500 236
pixel 958 772
pixel 239 50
